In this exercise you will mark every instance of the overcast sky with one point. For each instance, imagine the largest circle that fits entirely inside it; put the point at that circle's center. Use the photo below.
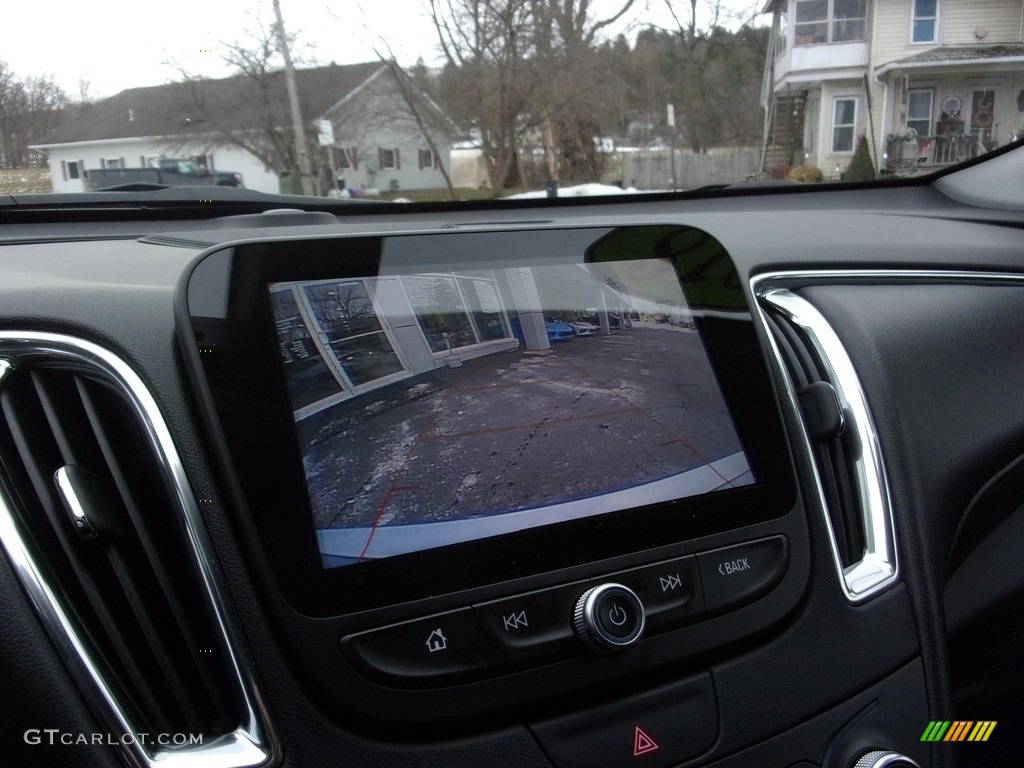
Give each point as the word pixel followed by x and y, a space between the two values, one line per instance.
pixel 113 45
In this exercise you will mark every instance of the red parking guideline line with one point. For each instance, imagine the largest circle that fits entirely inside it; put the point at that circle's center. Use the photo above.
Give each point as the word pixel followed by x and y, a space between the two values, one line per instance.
pixel 380 512
pixel 395 488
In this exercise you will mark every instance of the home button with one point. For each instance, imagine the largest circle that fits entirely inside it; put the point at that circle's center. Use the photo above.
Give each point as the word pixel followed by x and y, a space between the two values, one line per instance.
pixel 442 649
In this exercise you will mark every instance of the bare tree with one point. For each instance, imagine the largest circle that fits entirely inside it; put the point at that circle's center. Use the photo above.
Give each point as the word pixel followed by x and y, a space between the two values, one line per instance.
pixel 565 56
pixel 697 68
pixel 423 112
pixel 265 130
pixel 28 108
pixel 12 107
pixel 485 43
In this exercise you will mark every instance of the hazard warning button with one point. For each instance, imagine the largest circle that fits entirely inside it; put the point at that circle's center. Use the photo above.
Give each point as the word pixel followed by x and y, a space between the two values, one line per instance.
pixel 642 743
pixel 653 730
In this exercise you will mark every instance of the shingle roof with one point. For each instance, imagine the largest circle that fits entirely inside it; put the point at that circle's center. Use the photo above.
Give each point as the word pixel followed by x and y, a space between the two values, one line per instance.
pixel 174 108
pixel 963 53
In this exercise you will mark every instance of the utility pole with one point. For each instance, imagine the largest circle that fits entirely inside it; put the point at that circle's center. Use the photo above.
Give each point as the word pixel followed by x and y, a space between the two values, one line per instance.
pixel 305 170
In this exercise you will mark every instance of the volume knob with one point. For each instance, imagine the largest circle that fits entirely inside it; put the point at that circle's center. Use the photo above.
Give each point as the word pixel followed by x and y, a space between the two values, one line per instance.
pixel 883 758
pixel 608 618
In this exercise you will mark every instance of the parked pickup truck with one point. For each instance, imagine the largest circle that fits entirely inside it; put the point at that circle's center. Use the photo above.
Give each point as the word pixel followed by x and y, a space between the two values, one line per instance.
pixel 168 171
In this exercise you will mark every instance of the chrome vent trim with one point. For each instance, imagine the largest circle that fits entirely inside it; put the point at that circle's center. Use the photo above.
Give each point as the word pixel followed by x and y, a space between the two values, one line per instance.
pixel 252 742
pixel 877 569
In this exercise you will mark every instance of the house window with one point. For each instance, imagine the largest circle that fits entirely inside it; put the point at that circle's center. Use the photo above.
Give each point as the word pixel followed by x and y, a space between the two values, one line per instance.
pixel 924 23
pixel 426 159
pixel 345 158
pixel 389 158
pixel 919 111
pixel 844 122
pixel 830 21
pixel 74 169
pixel 111 162
pixel 849 20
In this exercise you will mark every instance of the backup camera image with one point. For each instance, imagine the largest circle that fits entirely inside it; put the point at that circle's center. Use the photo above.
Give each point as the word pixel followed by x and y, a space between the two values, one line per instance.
pixel 443 407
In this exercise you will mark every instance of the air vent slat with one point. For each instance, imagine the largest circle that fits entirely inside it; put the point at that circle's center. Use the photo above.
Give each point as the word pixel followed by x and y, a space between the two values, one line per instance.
pixel 171 719
pixel 831 456
pixel 99 520
pixel 166 583
pixel 81 569
pixel 850 478
pixel 64 416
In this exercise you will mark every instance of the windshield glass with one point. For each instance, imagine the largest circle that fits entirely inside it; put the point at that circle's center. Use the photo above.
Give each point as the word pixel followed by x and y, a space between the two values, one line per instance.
pixel 423 100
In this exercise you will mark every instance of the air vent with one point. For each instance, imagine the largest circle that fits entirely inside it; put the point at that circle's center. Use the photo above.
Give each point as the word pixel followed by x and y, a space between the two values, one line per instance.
pixel 96 512
pixel 177 242
pixel 840 437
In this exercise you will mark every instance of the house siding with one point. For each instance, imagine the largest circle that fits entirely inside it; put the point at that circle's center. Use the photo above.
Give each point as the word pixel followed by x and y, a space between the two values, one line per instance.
pixel 834 164
pixel 890 34
pixel 375 118
pixel 959 20
pixel 135 150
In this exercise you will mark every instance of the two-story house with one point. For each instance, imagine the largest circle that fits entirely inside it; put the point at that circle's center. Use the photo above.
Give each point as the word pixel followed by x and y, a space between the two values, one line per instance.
pixel 928 82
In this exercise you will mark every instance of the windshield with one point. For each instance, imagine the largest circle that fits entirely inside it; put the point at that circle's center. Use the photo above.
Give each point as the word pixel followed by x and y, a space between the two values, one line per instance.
pixel 424 100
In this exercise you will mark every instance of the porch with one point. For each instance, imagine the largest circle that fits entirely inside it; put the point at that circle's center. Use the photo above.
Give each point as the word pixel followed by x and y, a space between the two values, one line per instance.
pixel 910 155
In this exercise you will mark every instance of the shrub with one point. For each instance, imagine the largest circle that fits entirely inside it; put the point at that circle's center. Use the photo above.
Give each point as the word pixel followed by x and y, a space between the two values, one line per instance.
pixel 806 173
pixel 861 167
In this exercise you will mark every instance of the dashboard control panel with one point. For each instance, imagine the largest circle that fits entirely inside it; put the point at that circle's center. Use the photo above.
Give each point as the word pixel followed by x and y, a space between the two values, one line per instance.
pixel 490 470
pixel 604 615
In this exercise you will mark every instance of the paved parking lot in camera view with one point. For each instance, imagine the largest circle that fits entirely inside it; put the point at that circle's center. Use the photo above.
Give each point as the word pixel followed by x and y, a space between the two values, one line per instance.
pixel 514 431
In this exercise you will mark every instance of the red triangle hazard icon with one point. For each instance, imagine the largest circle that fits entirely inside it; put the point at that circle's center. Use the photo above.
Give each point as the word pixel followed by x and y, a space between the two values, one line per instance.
pixel 642 743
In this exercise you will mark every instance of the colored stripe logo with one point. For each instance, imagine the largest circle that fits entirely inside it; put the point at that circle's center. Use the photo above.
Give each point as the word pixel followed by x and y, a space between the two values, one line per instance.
pixel 958 730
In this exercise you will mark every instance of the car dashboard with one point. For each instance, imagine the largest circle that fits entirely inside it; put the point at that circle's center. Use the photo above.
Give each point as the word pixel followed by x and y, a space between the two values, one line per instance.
pixel 221 551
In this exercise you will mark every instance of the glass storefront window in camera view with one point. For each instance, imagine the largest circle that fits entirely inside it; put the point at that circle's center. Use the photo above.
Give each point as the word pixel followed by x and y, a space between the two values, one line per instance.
pixel 309 379
pixel 351 330
pixel 455 311
pixel 336 342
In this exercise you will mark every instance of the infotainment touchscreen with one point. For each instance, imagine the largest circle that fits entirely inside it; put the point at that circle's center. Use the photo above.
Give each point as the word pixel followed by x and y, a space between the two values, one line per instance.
pixel 444 406
pixel 436 412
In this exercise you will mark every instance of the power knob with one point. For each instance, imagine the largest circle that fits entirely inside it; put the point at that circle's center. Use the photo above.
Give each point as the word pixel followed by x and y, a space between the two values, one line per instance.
pixel 883 758
pixel 608 618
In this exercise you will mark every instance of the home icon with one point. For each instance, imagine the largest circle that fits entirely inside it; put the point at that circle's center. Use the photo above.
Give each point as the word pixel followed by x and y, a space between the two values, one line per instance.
pixel 437 641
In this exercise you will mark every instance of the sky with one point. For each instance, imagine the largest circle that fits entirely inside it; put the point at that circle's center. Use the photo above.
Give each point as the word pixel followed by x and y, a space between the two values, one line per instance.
pixel 111 45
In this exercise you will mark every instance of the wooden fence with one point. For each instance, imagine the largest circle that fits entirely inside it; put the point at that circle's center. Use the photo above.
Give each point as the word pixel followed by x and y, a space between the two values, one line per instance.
pixel 651 169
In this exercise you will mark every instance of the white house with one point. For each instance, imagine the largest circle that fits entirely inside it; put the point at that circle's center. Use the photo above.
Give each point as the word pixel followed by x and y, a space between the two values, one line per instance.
pixel 928 82
pixel 234 124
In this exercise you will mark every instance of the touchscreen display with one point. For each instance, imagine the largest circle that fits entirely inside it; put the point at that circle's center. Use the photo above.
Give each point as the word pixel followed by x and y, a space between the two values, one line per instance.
pixel 437 407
